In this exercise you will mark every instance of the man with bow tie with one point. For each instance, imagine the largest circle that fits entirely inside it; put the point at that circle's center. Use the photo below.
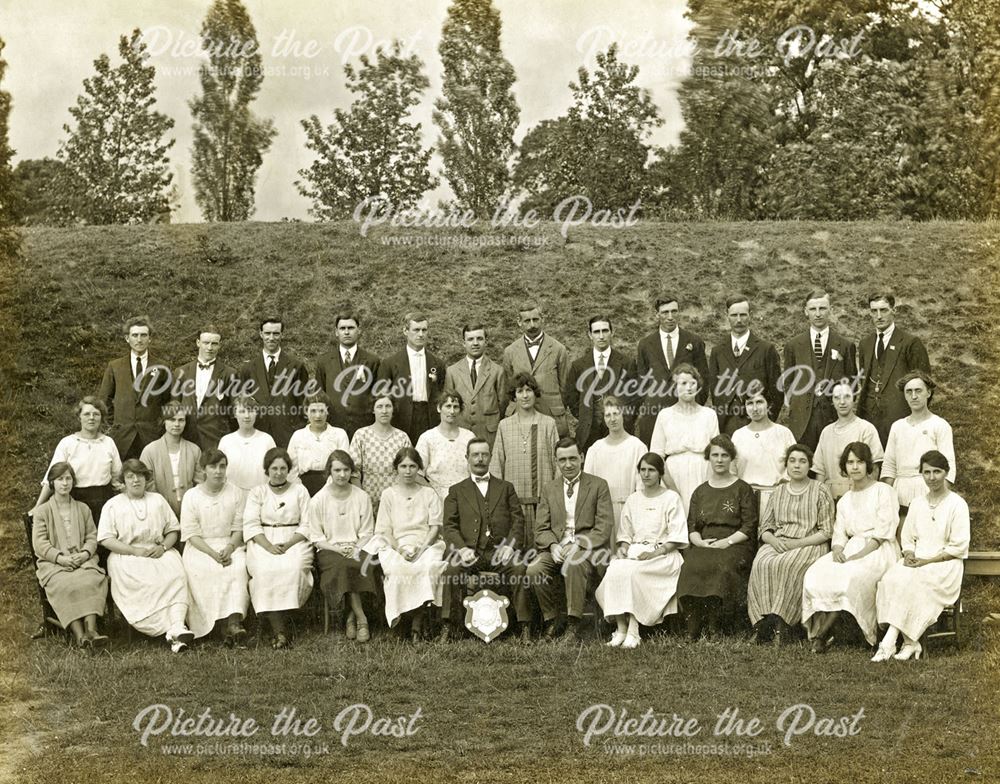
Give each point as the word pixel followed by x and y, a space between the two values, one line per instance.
pixel 484 530
pixel 280 383
pixel 346 375
pixel 206 387
pixel 599 372
pixel 814 361
pixel 572 527
pixel 543 357
pixel 738 360
pixel 656 356
pixel 886 356
pixel 482 384
pixel 414 378
pixel 134 388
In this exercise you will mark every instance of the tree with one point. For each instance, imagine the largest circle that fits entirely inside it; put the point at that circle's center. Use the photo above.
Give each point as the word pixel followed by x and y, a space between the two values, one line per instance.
pixel 598 149
pixel 37 183
pixel 8 239
pixel 115 156
pixel 370 151
pixel 229 142
pixel 477 113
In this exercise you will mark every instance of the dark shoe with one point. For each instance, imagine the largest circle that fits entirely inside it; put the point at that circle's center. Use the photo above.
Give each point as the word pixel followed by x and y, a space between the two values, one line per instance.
pixel 581 629
pixel 821 645
pixel 99 641
pixel 363 634
pixel 551 630
pixel 280 642
pixel 38 633
pixel 445 634
pixel 525 636
pixel 185 637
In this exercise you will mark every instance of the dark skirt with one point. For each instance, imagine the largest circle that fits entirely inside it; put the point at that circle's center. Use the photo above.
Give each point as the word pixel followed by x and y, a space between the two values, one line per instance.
pixel 94 497
pixel 340 575
pixel 313 481
pixel 722 573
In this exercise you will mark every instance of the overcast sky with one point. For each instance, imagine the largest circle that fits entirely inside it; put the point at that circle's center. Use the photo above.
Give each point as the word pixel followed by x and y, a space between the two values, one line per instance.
pixel 51 45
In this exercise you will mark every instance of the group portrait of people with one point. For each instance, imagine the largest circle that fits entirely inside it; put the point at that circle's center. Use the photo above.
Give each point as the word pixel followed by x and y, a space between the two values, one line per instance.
pixel 641 487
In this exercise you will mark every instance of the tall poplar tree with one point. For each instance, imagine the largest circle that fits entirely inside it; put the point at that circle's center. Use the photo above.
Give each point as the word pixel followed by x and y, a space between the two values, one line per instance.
pixel 477 113
pixel 229 141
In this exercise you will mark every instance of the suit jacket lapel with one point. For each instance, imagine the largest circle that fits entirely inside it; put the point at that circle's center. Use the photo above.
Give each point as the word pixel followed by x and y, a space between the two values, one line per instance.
pixel 750 347
pixel 481 373
pixel 493 494
pixel 892 352
pixel 582 490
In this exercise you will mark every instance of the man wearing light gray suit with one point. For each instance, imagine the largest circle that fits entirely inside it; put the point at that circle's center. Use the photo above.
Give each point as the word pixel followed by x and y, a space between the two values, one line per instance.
pixel 482 384
pixel 544 358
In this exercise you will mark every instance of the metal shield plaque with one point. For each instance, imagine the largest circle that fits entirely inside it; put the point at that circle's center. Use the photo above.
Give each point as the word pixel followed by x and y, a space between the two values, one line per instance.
pixel 486 614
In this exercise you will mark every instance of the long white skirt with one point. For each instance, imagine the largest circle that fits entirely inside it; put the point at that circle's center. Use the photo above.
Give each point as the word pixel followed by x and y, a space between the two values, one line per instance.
pixel 646 589
pixel 829 586
pixel 216 591
pixel 411 584
pixel 146 589
pixel 912 598
pixel 279 582
pixel 688 470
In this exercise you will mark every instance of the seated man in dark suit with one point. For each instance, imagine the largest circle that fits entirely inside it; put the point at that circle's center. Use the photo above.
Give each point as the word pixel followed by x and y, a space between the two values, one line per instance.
pixel 205 387
pixel 134 389
pixel 572 527
pixel 280 383
pixel 484 528
pixel 350 391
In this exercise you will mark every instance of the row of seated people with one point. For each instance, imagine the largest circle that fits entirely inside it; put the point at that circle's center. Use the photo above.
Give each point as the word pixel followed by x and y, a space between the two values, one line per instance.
pixel 790 578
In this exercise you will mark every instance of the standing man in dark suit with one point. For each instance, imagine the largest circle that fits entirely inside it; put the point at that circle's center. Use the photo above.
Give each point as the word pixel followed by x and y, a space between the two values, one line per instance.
pixel 482 384
pixel 599 372
pixel 134 388
pixel 280 384
pixel 544 358
pixel 737 361
pixel 657 355
pixel 206 388
pixel 414 378
pixel 886 356
pixel 572 527
pixel 484 530
pixel 814 361
pixel 349 392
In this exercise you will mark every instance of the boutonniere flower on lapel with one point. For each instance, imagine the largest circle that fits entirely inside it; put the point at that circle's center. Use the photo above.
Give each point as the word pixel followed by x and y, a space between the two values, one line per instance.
pixel 432 374
pixel 834 354
pixel 689 347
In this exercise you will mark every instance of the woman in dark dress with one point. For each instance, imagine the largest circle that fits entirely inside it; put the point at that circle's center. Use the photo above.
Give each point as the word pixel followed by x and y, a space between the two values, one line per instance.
pixel 722 526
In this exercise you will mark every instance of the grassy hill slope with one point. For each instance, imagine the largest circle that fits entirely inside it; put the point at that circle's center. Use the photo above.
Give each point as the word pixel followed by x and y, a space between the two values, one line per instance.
pixel 64 303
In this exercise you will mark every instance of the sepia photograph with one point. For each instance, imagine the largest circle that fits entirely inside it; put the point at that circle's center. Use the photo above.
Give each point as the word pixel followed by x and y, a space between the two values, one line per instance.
pixel 500 391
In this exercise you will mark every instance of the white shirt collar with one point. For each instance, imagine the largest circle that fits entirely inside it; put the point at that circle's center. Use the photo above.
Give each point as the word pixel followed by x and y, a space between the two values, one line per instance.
pixel 276 355
pixel 674 335
pixel 821 332
pixel 740 342
pixel 887 332
pixel 484 478
pixel 413 352
pixel 606 354
pixel 144 357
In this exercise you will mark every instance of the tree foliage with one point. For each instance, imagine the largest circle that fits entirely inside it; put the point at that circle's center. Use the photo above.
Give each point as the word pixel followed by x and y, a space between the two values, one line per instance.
pixel 8 206
pixel 115 155
pixel 599 149
pixel 477 113
pixel 37 196
pixel 370 151
pixel 229 141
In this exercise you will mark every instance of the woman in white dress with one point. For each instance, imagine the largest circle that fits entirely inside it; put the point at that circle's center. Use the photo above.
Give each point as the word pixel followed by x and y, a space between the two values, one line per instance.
pixel 614 458
pixel 406 538
pixel 94 457
pixel 214 556
pixel 848 428
pixel 311 446
pixel 174 461
pixel 340 525
pixel 279 556
pixel 443 448
pixel 914 435
pixel 863 548
pixel 148 582
pixel 245 449
pixel 915 590
pixel 682 432
pixel 760 448
pixel 640 585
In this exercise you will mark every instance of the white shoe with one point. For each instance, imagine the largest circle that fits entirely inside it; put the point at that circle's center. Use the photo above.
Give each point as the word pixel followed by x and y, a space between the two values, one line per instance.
pixel 631 641
pixel 883 654
pixel 908 650
pixel 617 639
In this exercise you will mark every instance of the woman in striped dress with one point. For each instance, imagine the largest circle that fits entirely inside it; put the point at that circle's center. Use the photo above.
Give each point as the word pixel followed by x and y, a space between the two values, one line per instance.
pixel 524 450
pixel 795 530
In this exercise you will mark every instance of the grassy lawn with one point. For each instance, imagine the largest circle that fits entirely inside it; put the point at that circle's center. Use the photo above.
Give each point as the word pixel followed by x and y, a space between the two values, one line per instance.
pixel 498 712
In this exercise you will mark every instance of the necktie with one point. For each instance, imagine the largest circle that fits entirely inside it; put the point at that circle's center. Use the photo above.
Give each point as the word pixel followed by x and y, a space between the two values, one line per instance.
pixel 347 358
pixel 600 365
pixel 202 366
pixel 472 373
pixel 138 367
pixel 818 349
pixel 572 486
pixel 270 367
pixel 670 351
pixel 736 349
pixel 880 345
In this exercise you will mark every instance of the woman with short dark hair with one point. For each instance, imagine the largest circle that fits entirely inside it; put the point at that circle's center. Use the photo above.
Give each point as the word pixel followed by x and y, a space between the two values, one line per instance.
pixel 864 547
pixel 373 448
pixel 912 594
pixel 64 539
pixel 442 448
pixel 148 582
pixel 279 556
pixel 310 447
pixel 173 459
pixel 245 448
